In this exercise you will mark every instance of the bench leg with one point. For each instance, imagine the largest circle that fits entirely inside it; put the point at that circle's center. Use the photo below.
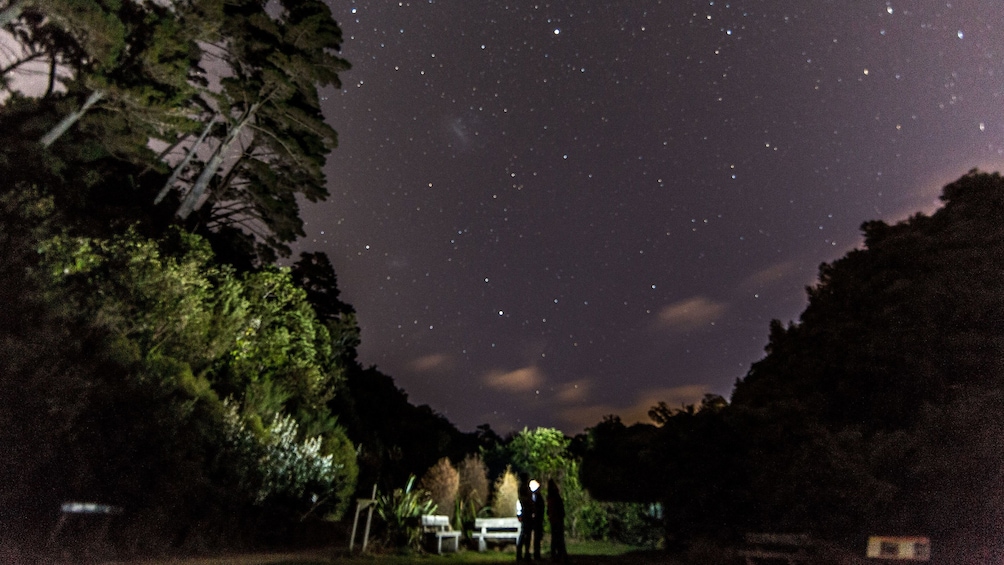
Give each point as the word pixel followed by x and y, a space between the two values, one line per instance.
pixel 482 546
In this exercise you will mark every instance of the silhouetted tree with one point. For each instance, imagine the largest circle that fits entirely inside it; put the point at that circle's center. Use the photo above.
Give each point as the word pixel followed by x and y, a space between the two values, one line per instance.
pixel 873 412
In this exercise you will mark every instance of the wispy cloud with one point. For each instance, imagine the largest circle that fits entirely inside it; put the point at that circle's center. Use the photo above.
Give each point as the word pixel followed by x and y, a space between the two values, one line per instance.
pixel 574 392
pixel 429 362
pixel 520 380
pixel 691 313
pixel 770 275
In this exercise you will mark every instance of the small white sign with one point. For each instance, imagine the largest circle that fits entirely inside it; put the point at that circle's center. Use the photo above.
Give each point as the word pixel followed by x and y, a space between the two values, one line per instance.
pixel 906 548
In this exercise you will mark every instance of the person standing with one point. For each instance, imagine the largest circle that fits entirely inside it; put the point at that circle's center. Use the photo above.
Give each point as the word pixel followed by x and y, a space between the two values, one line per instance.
pixel 538 517
pixel 556 517
pixel 524 511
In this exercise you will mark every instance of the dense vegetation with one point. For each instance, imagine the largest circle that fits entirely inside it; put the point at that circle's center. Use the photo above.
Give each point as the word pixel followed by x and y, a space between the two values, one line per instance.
pixel 879 412
pixel 153 355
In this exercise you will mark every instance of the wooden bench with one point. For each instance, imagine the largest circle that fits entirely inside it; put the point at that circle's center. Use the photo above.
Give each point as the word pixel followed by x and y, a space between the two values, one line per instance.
pixel 499 530
pixel 439 527
pixel 773 548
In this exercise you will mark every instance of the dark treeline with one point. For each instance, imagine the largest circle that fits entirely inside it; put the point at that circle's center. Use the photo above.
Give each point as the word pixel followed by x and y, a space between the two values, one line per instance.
pixel 879 412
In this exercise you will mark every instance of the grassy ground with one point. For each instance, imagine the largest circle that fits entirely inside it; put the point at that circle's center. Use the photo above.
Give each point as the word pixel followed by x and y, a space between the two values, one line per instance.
pixel 580 553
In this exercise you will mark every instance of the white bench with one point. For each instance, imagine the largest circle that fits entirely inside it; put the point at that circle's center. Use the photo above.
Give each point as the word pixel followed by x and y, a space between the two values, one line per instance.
pixel 499 530
pixel 439 526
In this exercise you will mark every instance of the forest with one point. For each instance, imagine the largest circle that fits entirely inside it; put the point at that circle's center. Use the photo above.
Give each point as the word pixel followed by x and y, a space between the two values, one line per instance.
pixel 157 357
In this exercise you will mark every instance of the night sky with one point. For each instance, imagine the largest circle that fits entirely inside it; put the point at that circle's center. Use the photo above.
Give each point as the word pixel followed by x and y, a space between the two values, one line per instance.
pixel 545 213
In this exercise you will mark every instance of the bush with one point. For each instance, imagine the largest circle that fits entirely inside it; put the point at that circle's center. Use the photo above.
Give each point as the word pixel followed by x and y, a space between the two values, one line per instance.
pixel 632 524
pixel 473 492
pixel 442 482
pixel 401 510
pixel 506 495
pixel 593 523
pixel 278 465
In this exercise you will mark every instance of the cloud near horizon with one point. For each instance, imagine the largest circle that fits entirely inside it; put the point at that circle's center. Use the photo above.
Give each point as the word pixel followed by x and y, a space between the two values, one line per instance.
pixel 582 417
pixel 519 380
pixel 574 392
pixel 690 313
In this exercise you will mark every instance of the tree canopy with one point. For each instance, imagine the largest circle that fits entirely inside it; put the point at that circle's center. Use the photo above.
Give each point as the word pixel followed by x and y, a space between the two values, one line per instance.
pixel 226 91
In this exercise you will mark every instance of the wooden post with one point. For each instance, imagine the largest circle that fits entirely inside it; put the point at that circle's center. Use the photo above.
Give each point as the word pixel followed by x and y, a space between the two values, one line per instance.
pixel 362 504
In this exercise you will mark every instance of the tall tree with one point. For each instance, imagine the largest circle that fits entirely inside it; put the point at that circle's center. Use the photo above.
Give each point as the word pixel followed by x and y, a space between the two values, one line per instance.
pixel 273 132
pixel 229 90
pixel 134 60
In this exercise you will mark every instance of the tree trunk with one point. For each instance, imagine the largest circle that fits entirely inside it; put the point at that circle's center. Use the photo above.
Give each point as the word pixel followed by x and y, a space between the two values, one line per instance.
pixel 66 123
pixel 184 162
pixel 209 171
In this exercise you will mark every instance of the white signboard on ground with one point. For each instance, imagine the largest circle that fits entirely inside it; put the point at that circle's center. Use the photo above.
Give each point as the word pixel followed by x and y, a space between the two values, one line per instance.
pixel 906 548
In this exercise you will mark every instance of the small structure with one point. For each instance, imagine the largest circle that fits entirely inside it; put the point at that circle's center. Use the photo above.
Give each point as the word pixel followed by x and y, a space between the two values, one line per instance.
pixel 774 548
pixel 905 548
pixel 363 504
pixel 498 530
pixel 438 527
pixel 83 521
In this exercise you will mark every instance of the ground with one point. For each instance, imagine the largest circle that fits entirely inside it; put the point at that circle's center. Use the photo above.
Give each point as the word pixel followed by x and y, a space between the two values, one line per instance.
pixel 595 553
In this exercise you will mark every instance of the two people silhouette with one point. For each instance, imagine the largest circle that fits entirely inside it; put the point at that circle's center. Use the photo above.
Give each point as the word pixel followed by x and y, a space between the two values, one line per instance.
pixel 531 509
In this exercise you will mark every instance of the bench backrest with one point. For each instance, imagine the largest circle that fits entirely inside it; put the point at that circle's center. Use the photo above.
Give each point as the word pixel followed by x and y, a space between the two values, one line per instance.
pixel 435 523
pixel 496 524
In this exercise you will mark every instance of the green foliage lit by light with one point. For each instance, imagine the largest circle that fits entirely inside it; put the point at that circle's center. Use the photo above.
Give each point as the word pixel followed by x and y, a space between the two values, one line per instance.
pixel 542 452
pixel 189 323
pixel 401 510
pixel 280 464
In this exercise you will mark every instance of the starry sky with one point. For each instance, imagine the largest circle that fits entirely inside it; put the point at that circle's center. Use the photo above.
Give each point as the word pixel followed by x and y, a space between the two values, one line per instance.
pixel 545 213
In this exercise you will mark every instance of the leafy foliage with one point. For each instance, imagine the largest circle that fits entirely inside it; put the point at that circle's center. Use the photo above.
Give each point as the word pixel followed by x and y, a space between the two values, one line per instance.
pixel 401 510
pixel 542 452
pixel 281 467
pixel 229 90
pixel 272 122
pixel 176 325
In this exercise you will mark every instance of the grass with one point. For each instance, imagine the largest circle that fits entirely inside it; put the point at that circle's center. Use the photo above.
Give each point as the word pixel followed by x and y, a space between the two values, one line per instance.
pixel 581 553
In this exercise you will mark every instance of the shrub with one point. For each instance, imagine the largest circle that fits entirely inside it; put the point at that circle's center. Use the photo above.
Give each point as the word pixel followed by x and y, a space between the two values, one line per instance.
pixel 593 522
pixel 632 523
pixel 442 481
pixel 506 495
pixel 401 510
pixel 278 465
pixel 473 492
